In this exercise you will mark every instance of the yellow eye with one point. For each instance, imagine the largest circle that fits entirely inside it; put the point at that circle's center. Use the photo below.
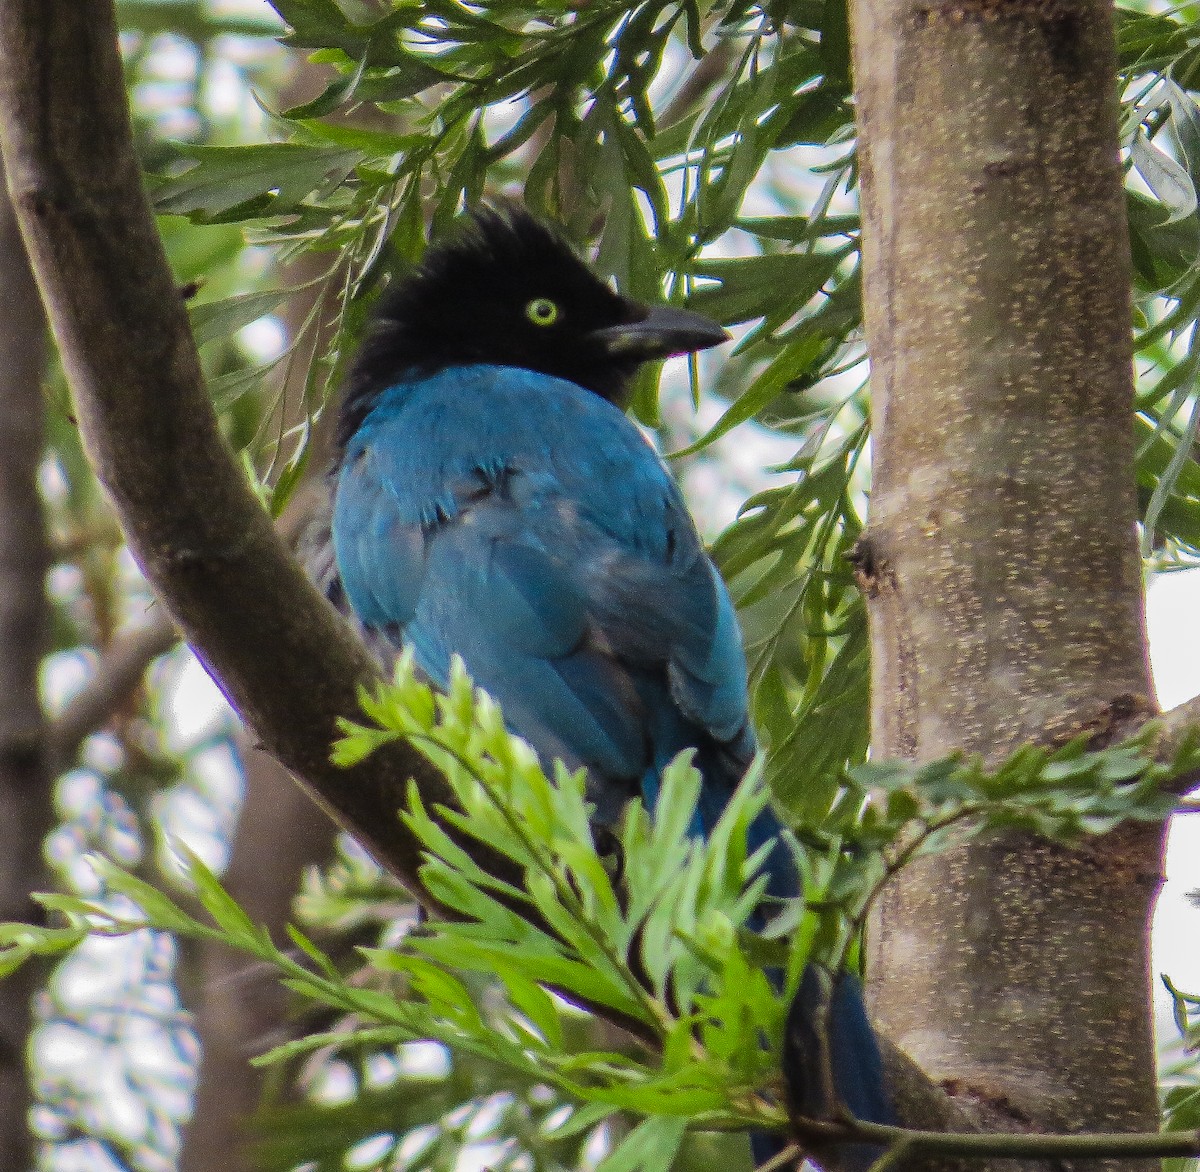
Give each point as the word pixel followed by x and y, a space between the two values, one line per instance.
pixel 542 311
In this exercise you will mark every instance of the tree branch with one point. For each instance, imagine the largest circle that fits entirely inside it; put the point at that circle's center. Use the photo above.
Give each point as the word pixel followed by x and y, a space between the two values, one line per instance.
pixel 709 72
pixel 1016 1145
pixel 284 659
pixel 122 665
pixel 26 812
pixel 1181 721
pixel 1002 572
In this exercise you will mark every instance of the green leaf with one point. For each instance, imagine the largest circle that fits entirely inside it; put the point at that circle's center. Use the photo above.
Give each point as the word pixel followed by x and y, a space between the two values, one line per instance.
pixel 835 44
pixel 219 904
pixel 274 177
pixel 534 1002
pixel 336 1040
pixel 649 1147
pixel 1185 119
pixel 755 286
pixel 20 943
pixel 226 389
pixel 319 958
pixel 371 143
pixel 783 370
pixel 222 319
pixel 1165 177
pixel 313 22
pixel 159 911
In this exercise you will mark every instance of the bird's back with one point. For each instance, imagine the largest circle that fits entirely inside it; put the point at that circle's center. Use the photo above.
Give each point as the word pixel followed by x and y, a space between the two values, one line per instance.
pixel 538 535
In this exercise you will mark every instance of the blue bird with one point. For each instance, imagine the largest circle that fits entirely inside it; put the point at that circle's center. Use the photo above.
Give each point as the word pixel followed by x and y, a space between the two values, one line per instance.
pixel 492 500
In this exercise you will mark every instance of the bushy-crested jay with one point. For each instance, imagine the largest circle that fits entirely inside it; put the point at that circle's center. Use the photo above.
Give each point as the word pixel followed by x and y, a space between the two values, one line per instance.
pixel 491 500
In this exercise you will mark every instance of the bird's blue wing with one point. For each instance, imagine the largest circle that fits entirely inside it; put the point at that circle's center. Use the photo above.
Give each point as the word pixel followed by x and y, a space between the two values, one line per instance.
pixel 369 531
pixel 540 537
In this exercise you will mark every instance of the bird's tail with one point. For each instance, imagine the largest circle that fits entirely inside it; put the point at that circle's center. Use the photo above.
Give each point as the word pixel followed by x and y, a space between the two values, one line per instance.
pixel 827 1037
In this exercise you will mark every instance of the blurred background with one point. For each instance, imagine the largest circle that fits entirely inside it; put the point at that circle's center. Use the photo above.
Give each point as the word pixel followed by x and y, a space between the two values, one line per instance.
pixel 131 1038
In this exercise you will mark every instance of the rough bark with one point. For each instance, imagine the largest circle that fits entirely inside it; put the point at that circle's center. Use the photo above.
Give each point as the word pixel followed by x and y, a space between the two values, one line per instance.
pixel 25 808
pixel 282 656
pixel 1000 560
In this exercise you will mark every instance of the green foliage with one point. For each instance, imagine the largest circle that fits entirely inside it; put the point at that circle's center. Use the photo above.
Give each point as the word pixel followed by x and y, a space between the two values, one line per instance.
pixel 1180 1077
pixel 1061 794
pixel 653 946
pixel 592 114
pixel 673 137
pixel 805 631
pixel 664 954
pixel 232 183
pixel 1187 1015
pixel 664 951
pixel 1161 129
pixel 887 813
pixel 661 952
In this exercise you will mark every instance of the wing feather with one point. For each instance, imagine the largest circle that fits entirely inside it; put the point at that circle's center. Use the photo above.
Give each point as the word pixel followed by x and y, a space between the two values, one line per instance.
pixel 542 539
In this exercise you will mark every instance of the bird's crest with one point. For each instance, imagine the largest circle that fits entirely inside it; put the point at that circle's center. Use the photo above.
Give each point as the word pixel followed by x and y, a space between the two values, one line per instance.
pixel 504 290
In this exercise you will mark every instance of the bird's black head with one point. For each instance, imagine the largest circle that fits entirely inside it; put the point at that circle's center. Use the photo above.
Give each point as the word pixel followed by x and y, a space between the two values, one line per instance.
pixel 509 291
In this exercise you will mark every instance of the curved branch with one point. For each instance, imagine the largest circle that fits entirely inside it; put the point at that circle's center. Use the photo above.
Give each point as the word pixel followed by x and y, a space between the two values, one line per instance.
pixel 280 654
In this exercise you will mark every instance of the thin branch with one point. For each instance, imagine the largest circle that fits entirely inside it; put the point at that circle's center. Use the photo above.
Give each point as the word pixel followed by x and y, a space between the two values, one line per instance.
pixel 122 665
pixel 118 674
pixel 1180 721
pixel 710 71
pixel 789 1157
pixel 1022 1145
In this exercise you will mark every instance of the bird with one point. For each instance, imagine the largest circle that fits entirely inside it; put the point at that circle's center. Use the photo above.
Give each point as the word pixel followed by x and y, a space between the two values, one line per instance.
pixel 493 501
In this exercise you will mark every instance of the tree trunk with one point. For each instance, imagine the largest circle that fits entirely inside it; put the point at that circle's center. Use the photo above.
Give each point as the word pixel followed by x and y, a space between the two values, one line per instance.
pixel 25 809
pixel 242 1007
pixel 1000 563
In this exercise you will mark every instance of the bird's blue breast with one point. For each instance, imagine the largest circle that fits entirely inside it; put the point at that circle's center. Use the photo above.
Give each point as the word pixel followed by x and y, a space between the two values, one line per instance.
pixel 434 432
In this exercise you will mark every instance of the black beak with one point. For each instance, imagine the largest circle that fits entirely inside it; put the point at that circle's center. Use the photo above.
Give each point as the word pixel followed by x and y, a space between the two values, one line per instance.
pixel 664 331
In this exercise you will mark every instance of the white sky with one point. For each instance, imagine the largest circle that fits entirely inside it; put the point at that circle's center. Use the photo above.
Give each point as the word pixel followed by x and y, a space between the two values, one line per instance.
pixel 1173 619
